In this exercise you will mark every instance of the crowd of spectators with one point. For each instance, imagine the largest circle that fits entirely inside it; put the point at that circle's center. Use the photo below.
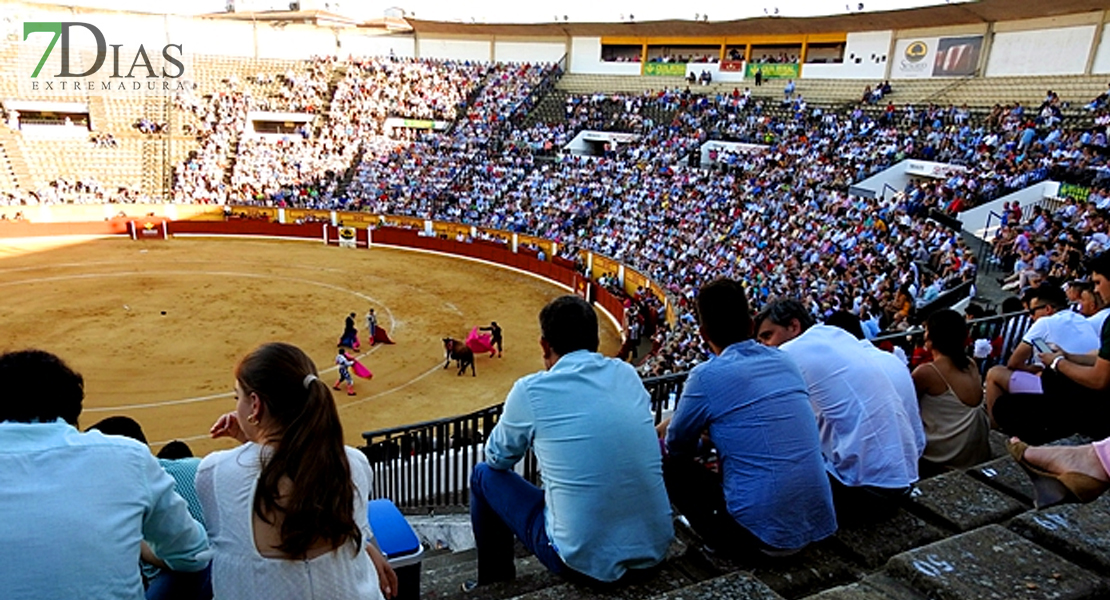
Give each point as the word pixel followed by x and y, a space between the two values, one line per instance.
pixel 148 127
pixel 686 58
pixel 780 58
pixel 641 204
pixel 103 139
pixel 775 227
pixel 779 217
pixel 83 190
pixel 219 119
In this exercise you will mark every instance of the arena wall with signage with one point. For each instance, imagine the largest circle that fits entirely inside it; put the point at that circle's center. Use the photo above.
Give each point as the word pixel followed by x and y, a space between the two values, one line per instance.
pixel 276 125
pixel 894 179
pixel 772 70
pixel 1057 45
pixel 924 57
pixel 665 69
pixel 711 150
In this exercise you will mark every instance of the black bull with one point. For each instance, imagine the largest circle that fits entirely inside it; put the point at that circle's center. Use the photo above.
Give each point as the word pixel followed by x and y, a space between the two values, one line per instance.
pixel 460 353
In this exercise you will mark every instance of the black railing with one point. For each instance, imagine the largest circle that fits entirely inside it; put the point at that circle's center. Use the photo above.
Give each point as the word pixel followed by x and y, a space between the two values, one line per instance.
pixel 427 465
pixel 987 257
pixel 664 391
pixel 1003 331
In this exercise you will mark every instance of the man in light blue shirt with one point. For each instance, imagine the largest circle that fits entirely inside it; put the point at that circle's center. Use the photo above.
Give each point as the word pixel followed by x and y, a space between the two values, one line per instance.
pixel 603 509
pixel 77 505
pixel 770 493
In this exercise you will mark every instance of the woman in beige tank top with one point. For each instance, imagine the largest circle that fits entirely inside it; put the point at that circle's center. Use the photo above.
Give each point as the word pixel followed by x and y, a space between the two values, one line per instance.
pixel 950 397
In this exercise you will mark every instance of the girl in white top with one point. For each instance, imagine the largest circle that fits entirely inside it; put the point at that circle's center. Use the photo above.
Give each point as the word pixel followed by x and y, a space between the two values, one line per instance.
pixel 286 511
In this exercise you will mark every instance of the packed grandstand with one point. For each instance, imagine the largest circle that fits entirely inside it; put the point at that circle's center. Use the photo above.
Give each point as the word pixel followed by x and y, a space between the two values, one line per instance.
pixel 685 176
pixel 780 217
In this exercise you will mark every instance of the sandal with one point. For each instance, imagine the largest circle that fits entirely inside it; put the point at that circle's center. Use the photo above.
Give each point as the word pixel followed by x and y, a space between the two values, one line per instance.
pixel 1050 489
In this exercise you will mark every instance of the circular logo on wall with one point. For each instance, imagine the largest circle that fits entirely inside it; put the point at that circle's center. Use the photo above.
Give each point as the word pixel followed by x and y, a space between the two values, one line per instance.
pixel 916 51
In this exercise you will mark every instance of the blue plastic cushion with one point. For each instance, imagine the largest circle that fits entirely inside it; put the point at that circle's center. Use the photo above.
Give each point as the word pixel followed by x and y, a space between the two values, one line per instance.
pixel 395 536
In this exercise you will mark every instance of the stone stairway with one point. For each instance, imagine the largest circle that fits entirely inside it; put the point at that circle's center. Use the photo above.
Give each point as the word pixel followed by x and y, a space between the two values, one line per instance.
pixel 17 172
pixel 962 535
pixel 550 110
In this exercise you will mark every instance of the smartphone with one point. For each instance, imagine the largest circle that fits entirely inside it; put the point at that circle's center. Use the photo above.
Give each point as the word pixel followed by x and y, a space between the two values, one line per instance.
pixel 1041 346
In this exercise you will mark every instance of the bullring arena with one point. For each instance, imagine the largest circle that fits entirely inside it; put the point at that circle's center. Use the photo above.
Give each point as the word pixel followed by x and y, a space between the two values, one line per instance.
pixel 265 170
pixel 103 301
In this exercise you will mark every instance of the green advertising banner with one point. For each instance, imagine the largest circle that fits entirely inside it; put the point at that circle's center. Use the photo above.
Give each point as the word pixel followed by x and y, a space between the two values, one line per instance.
pixel 773 70
pixel 665 69
pixel 419 123
pixel 1075 192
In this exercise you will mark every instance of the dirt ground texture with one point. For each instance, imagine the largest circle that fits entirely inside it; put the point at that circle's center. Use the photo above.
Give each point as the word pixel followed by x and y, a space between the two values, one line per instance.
pixel 99 305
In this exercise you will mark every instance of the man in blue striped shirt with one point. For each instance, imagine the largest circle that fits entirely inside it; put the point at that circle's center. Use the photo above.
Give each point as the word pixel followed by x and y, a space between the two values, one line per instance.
pixel 770 493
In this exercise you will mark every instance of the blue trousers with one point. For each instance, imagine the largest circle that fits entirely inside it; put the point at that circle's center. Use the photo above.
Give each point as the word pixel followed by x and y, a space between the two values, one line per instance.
pixel 503 504
pixel 180 585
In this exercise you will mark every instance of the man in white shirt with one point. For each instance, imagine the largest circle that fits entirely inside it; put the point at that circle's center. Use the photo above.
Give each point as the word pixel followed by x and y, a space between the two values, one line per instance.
pixel 1053 324
pixel 869 436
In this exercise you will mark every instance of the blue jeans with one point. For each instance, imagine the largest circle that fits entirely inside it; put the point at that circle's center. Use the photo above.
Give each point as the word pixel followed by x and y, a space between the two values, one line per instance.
pixel 502 504
pixel 180 585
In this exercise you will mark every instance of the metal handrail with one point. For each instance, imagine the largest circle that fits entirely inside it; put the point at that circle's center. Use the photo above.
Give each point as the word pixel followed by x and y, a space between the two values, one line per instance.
pixel 427 465
pixel 887 186
pixel 986 250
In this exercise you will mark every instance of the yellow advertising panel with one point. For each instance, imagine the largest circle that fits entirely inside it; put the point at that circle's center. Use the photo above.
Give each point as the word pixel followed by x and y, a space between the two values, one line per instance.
pixel 604 266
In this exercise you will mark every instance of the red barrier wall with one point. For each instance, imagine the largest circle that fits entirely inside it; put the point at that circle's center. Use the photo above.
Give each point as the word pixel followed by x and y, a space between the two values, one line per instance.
pixel 249 227
pixel 16 229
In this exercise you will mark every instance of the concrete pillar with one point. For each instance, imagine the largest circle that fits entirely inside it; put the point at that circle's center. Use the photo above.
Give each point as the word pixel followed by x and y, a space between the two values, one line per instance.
pixel 1095 44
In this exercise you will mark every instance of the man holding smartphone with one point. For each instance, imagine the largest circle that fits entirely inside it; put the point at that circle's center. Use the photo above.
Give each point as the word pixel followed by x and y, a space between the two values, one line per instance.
pixel 1053 325
pixel 1077 382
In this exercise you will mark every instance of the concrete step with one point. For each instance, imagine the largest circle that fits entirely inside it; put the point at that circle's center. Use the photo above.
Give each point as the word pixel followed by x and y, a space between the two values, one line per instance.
pixel 446 582
pixel 438 559
pixel 964 535
pixel 1078 532
pixel 962 503
pixel 734 586
pixel 993 562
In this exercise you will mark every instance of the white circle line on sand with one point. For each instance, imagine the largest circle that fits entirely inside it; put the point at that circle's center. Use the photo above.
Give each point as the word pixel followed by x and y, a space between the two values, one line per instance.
pixel 392 389
pixel 388 311
pixel 100 409
pixel 131 263
pixel 191 438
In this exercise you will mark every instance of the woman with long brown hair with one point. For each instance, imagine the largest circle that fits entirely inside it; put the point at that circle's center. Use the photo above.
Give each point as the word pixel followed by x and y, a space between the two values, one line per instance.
pixel 950 395
pixel 286 511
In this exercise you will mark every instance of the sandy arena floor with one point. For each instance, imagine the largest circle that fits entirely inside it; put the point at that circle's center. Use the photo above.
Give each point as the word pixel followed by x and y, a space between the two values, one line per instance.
pixel 99 305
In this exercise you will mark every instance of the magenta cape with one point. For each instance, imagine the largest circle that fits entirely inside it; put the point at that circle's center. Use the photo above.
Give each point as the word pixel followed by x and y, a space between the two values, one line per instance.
pixel 479 342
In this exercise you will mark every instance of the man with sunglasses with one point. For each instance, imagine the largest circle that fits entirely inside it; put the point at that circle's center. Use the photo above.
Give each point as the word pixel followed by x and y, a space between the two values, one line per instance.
pixel 1053 324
